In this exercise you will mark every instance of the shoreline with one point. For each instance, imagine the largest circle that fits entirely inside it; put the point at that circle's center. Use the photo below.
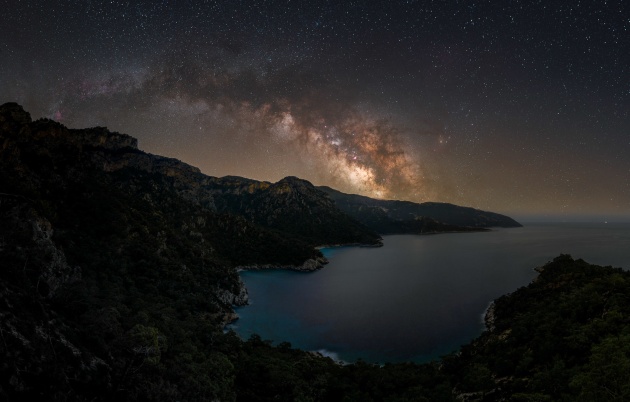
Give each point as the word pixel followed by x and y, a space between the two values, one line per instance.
pixel 315 264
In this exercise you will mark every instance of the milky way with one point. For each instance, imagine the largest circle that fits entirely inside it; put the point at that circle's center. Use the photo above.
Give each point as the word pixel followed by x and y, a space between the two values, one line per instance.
pixel 521 108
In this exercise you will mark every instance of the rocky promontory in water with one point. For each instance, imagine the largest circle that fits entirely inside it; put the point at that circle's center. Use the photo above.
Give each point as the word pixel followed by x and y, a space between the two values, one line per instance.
pixel 119 269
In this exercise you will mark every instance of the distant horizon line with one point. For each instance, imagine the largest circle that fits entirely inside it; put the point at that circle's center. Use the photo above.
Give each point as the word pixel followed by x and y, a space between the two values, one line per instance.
pixel 570 218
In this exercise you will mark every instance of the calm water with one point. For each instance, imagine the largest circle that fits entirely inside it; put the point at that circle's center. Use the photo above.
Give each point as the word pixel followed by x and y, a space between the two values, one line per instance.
pixel 418 297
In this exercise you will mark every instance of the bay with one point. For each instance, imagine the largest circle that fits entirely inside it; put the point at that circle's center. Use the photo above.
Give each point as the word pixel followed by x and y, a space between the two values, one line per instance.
pixel 419 296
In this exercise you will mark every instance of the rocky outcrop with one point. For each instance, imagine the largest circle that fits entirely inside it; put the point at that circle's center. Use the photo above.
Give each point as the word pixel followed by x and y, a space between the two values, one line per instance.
pixel 95 137
pixel 13 117
pixel 312 265
pixel 239 298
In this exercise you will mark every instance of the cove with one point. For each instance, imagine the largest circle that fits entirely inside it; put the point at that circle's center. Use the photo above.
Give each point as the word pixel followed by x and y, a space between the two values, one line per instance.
pixel 417 297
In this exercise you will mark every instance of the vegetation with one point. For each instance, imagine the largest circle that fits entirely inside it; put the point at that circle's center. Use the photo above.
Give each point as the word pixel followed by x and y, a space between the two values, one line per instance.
pixel 563 337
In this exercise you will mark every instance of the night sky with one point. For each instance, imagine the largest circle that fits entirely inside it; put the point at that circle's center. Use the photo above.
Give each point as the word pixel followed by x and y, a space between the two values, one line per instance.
pixel 516 107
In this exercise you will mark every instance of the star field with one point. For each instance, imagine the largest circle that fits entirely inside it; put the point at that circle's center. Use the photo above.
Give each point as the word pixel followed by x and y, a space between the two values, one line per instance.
pixel 517 107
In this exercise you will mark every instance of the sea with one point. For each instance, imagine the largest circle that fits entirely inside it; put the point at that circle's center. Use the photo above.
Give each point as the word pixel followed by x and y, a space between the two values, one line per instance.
pixel 417 298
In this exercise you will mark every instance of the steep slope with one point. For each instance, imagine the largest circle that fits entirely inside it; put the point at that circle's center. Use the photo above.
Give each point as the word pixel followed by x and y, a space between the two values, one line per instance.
pixel 391 216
